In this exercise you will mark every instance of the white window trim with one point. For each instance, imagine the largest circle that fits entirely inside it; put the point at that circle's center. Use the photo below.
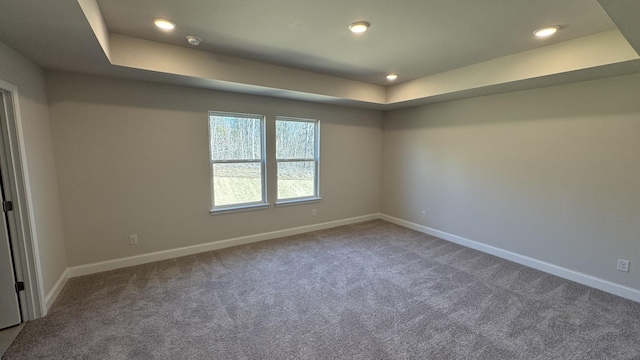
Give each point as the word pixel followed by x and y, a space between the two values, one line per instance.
pixel 316 159
pixel 263 168
pixel 238 208
pixel 297 201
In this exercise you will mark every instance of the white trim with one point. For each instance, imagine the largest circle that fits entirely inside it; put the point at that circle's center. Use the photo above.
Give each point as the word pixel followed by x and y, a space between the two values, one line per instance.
pixel 55 290
pixel 28 228
pixel 239 208
pixel 585 279
pixel 195 249
pixel 32 299
pixel 298 201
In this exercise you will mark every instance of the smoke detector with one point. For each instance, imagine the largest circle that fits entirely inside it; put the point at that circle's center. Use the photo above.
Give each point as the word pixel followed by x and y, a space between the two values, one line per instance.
pixel 193 40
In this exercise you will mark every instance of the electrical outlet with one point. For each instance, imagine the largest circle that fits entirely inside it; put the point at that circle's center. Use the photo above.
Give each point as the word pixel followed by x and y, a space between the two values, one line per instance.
pixel 424 214
pixel 623 265
pixel 133 239
pixel 314 212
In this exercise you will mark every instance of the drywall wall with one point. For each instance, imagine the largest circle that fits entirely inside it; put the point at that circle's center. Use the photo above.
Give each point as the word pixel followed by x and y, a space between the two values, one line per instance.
pixel 29 78
pixel 550 173
pixel 132 158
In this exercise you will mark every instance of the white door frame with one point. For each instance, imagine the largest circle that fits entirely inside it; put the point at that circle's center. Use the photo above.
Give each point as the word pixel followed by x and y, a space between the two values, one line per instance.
pixel 18 190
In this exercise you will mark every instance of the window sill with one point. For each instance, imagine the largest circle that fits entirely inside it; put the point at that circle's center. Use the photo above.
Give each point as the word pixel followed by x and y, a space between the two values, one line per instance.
pixel 238 209
pixel 297 201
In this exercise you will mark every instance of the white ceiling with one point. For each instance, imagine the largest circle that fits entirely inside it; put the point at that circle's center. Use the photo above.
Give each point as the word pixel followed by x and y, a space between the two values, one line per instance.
pixel 302 49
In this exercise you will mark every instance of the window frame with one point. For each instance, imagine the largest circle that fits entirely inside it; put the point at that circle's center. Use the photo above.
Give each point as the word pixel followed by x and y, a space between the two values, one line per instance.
pixel 262 161
pixel 316 159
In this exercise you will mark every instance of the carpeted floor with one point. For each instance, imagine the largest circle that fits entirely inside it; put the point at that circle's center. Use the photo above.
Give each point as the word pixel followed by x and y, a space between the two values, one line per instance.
pixel 367 291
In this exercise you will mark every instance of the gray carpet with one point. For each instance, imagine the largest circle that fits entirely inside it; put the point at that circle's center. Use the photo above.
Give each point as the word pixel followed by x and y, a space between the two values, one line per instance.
pixel 367 291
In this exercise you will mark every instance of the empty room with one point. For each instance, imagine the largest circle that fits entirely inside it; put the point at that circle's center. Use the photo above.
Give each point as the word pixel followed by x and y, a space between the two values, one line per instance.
pixel 411 179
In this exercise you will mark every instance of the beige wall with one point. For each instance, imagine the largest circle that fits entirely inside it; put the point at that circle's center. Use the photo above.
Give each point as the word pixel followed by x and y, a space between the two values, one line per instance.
pixel 132 158
pixel 29 79
pixel 550 173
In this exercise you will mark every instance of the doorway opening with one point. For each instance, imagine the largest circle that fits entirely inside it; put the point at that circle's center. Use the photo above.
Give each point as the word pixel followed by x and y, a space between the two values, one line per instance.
pixel 10 308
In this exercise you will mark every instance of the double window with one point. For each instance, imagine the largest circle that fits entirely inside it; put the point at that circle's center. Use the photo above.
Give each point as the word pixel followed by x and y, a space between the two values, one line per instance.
pixel 237 146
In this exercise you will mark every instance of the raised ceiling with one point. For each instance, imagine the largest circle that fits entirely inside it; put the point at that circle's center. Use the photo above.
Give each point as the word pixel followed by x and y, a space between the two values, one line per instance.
pixel 413 38
pixel 441 49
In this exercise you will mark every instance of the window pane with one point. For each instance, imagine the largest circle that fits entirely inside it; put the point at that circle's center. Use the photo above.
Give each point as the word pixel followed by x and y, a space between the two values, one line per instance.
pixel 296 179
pixel 295 139
pixel 235 138
pixel 237 183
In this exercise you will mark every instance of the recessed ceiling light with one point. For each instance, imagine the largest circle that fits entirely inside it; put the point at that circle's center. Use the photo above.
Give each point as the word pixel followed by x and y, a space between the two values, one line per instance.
pixel 164 24
pixel 359 27
pixel 392 77
pixel 546 31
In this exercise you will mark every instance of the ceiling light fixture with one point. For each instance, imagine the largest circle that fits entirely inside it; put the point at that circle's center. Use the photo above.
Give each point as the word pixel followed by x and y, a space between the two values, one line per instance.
pixel 392 77
pixel 359 27
pixel 164 24
pixel 193 40
pixel 546 31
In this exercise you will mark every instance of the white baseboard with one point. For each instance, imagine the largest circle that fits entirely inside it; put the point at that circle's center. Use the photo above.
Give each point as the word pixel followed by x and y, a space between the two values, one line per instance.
pixel 588 280
pixel 195 249
pixel 55 290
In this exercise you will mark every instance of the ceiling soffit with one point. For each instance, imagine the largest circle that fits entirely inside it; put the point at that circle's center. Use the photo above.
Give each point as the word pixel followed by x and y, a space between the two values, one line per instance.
pixel 608 53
